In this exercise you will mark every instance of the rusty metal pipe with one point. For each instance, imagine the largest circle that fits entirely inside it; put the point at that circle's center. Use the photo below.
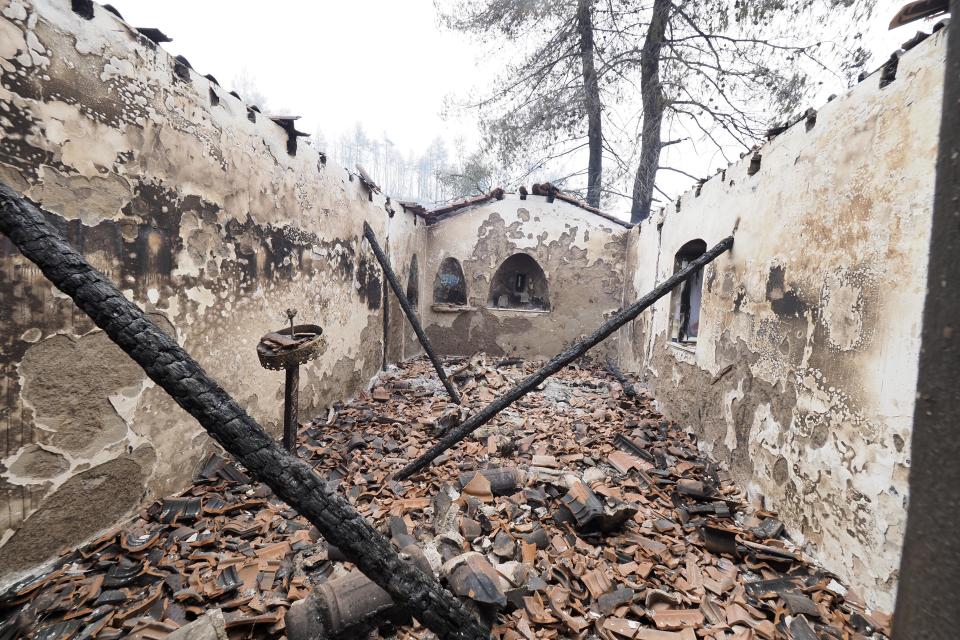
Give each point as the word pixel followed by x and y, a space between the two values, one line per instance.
pixel 287 349
pixel 291 400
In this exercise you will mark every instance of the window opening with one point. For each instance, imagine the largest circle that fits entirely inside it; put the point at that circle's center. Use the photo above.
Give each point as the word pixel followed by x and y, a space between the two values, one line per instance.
pixel 686 299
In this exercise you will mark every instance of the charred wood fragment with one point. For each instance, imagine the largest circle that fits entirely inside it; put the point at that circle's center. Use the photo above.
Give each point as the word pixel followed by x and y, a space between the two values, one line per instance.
pixel 561 360
pixel 154 35
pixel 181 68
pixel 888 72
pixel 83 8
pixel 172 368
pixel 614 370
pixel 286 123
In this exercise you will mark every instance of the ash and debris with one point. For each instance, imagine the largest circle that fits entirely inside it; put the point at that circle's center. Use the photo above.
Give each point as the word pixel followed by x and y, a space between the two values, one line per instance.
pixel 577 513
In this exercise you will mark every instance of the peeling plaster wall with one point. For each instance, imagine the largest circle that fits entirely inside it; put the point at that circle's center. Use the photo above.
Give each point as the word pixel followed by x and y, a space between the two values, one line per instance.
pixel 203 218
pixel 407 244
pixel 803 379
pixel 582 255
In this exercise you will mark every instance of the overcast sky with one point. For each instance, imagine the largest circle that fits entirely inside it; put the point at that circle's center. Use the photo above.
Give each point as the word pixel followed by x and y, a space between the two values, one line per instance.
pixel 384 63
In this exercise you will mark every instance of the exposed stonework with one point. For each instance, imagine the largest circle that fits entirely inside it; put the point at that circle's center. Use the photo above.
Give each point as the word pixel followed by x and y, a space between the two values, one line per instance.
pixel 36 462
pixel 69 383
pixel 86 503
pixel 803 375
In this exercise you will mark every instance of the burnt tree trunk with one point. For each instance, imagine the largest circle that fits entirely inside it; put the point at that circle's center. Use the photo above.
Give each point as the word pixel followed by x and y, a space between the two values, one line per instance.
pixel 172 368
pixel 591 101
pixel 561 360
pixel 653 105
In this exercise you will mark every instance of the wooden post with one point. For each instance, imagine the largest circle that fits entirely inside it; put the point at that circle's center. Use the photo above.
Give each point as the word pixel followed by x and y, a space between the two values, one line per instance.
pixel 172 368
pixel 558 362
pixel 409 311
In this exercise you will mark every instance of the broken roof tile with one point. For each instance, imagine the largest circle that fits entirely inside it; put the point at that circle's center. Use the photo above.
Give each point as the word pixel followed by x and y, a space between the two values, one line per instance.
pixel 638 568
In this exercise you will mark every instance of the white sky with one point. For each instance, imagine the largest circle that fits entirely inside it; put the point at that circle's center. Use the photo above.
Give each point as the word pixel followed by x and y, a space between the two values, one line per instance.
pixel 384 63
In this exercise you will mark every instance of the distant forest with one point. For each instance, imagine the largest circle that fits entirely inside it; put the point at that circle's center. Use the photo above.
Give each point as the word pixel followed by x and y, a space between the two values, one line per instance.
pixel 437 175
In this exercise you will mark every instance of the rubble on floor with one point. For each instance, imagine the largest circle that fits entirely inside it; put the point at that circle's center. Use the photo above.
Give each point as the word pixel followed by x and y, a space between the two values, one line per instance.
pixel 577 513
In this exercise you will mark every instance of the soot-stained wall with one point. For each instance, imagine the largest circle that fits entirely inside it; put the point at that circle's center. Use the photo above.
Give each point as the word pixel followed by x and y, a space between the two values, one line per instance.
pixel 803 377
pixel 196 209
pixel 581 254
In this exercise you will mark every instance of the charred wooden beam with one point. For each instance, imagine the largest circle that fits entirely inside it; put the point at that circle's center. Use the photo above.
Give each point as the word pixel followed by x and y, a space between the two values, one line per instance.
pixel 409 311
pixel 561 360
pixel 172 368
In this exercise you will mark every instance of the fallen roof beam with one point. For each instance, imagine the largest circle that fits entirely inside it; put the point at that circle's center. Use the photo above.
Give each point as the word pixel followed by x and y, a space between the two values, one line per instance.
pixel 561 360
pixel 408 310
pixel 172 368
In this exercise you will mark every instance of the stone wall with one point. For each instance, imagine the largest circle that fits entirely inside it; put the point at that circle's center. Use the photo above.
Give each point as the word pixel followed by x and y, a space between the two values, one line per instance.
pixel 580 252
pixel 203 213
pixel 803 376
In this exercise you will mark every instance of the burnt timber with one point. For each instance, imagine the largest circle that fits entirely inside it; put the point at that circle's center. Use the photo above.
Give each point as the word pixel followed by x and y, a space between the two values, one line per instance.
pixel 172 368
pixel 561 360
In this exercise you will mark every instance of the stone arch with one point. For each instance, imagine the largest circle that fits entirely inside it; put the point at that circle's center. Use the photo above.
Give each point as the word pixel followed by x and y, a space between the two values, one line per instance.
pixel 685 299
pixel 449 286
pixel 519 283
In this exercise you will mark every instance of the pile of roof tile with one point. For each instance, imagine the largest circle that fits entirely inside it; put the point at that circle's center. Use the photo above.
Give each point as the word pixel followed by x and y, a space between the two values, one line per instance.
pixel 577 513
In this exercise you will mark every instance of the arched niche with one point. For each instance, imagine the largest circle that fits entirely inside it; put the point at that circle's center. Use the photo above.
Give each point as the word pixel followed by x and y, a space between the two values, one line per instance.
pixel 519 283
pixel 413 283
pixel 449 286
pixel 685 299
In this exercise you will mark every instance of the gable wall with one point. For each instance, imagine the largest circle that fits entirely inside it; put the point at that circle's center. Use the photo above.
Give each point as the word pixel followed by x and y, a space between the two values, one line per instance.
pixel 581 254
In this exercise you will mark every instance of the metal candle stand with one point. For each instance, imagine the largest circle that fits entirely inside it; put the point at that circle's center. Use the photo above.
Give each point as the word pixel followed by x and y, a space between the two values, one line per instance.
pixel 286 350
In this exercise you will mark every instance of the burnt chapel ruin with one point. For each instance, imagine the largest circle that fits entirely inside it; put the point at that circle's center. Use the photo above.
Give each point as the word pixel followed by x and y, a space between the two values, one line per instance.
pixel 248 394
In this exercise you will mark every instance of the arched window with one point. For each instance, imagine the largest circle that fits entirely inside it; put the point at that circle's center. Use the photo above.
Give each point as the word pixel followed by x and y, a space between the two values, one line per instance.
pixel 449 287
pixel 685 299
pixel 519 283
pixel 413 283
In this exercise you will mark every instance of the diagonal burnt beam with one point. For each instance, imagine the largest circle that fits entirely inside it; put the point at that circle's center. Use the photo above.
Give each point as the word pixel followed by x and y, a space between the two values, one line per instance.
pixel 408 310
pixel 172 368
pixel 561 360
